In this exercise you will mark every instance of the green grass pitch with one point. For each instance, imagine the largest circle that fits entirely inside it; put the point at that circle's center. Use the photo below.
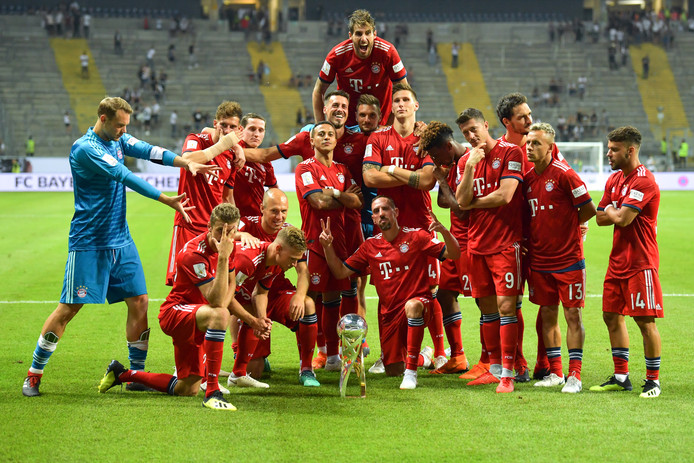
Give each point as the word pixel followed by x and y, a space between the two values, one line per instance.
pixel 442 420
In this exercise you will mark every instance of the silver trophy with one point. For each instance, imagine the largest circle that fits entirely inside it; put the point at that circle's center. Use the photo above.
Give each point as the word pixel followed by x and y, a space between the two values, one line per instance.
pixel 352 330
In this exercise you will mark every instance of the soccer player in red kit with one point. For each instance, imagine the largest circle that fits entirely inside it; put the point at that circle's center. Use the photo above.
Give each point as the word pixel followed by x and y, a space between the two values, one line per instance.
pixel 253 177
pixel 325 189
pixel 256 272
pixel 437 140
pixel 558 202
pixel 364 63
pixel 632 287
pixel 515 115
pixel 349 150
pixel 196 314
pixel 398 258
pixel 490 189
pixel 206 192
pixel 392 165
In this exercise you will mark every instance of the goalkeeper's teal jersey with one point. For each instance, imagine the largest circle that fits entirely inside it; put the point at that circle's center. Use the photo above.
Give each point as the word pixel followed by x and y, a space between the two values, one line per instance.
pixel 99 181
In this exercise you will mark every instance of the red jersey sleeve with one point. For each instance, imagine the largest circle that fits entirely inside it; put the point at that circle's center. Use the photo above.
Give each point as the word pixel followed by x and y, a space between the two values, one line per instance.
pixel 429 245
pixel 305 181
pixel 642 191
pixel 195 267
pixel 373 153
pixel 396 70
pixel 192 143
pixel 513 164
pixel 298 145
pixel 329 69
pixel 270 178
pixel 359 261
pixel 574 185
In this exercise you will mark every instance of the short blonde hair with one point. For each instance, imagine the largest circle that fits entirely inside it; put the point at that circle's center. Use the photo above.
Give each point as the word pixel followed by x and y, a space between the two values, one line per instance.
pixel 110 105
pixel 546 128
pixel 228 109
pixel 225 213
pixel 293 238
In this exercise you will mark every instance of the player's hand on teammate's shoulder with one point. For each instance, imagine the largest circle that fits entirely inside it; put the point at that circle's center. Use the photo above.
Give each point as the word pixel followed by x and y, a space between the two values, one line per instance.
pixel 325 238
pixel 247 240
pixel 239 157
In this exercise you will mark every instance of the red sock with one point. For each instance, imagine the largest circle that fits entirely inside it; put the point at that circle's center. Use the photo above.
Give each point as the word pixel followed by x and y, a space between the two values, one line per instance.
pixel 305 340
pixel 247 344
pixel 157 381
pixel 575 368
pixel 520 362
pixel 436 329
pixel 555 366
pixel 349 304
pixel 320 339
pixel 454 336
pixel 508 332
pixel 331 315
pixel 492 341
pixel 415 335
pixel 652 374
pixel 213 345
pixel 484 355
pixel 542 362
pixel 621 366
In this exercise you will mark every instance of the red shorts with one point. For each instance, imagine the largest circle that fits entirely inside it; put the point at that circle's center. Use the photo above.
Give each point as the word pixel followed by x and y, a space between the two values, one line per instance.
pixel 179 323
pixel 277 311
pixel 454 275
pixel 321 279
pixel 497 274
pixel 180 237
pixel 547 289
pixel 393 332
pixel 639 295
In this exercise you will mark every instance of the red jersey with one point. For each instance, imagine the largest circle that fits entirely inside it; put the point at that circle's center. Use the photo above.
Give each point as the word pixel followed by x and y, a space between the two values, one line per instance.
pixel 204 191
pixel 385 148
pixel 251 270
pixel 634 247
pixel 374 75
pixel 250 183
pixel 253 225
pixel 459 227
pixel 555 242
pixel 348 151
pixel 527 165
pixel 399 267
pixel 196 265
pixel 311 177
pixel 494 229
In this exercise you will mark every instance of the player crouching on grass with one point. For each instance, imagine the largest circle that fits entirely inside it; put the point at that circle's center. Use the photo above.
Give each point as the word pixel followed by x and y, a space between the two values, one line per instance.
pixel 398 258
pixel 196 315
pixel 256 270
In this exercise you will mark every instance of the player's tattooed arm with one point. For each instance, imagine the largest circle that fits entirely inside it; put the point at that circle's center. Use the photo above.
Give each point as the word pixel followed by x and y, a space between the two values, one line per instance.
pixel 376 176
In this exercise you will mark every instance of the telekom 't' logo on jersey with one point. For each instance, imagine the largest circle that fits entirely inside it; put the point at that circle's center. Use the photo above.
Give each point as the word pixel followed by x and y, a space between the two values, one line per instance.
pixel 398 162
pixel 386 270
pixel 533 206
pixel 356 84
pixel 250 174
pixel 478 186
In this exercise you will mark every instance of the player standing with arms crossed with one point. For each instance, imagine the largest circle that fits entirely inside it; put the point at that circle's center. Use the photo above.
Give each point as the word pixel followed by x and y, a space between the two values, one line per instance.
pixel 632 287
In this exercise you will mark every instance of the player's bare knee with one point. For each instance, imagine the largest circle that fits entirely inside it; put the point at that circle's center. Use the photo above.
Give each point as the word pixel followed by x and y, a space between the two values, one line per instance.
pixel 219 319
pixel 309 306
pixel 187 386
pixel 414 308
pixel 66 312
pixel 137 305
pixel 573 317
pixel 646 325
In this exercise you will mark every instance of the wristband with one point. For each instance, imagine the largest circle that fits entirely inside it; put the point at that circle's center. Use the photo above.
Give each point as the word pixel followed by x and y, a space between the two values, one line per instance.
pixel 225 143
pixel 336 193
pixel 391 169
pixel 609 205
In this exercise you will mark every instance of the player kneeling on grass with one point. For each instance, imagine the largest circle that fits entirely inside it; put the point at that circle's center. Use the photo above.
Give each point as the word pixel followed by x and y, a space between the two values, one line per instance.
pixel 196 315
pixel 256 270
pixel 398 258
pixel 558 202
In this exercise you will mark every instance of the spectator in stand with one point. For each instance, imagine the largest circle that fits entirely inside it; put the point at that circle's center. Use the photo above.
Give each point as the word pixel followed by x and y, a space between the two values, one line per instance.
pixel 84 61
pixel 173 120
pixel 192 59
pixel 170 54
pixel 118 43
pixel 86 24
pixel 68 124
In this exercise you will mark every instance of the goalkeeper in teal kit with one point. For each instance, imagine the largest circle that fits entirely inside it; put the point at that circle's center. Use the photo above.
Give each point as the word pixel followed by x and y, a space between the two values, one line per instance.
pixel 103 263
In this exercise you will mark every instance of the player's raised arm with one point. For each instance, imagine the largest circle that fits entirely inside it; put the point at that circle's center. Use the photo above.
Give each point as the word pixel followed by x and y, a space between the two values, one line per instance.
pixel 337 267
pixel 317 98
pixel 215 291
pixel 452 247
pixel 225 143
pixel 464 194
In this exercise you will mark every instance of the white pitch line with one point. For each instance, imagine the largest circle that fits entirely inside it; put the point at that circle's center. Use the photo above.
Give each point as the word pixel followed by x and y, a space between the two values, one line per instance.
pixel 369 297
